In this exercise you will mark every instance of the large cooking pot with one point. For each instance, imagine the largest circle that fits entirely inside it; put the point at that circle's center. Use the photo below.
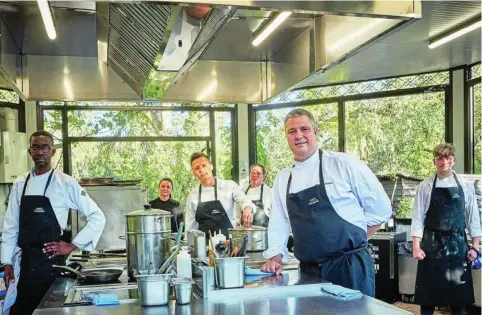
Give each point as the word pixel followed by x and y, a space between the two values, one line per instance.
pixel 148 239
pixel 257 237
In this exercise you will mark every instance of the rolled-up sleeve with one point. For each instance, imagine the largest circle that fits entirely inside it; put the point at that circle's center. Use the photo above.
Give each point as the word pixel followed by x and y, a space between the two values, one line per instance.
pixel 369 192
pixel 472 212
pixel 11 226
pixel 419 209
pixel 79 200
pixel 279 226
pixel 190 213
pixel 240 197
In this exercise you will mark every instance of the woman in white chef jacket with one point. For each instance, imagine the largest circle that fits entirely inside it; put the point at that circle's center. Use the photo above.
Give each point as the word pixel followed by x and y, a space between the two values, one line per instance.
pixel 260 194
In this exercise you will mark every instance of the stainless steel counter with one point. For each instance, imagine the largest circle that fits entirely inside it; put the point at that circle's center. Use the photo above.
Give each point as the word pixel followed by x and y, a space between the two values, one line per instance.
pixel 279 305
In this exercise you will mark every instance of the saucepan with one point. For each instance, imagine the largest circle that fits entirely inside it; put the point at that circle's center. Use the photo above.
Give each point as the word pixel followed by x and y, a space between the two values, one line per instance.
pixel 257 237
pixel 95 276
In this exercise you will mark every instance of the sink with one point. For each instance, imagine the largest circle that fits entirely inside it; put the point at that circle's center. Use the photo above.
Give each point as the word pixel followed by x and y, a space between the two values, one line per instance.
pixel 127 293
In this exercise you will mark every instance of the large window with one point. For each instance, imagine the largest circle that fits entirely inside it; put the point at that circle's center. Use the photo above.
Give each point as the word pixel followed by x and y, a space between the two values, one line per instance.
pixel 271 145
pixel 145 142
pixel 475 122
pixel 396 134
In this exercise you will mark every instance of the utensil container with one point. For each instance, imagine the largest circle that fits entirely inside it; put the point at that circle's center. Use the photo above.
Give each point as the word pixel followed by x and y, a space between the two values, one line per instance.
pixel 229 272
pixel 153 289
pixel 182 290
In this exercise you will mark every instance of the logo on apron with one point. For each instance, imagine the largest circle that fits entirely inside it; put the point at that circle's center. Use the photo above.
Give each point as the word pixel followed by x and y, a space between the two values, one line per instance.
pixel 39 210
pixel 215 212
pixel 313 201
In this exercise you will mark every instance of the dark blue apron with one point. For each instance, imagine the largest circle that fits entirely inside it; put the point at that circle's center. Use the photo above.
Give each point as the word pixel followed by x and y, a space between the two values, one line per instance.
pixel 326 245
pixel 260 218
pixel 444 276
pixel 211 216
pixel 37 226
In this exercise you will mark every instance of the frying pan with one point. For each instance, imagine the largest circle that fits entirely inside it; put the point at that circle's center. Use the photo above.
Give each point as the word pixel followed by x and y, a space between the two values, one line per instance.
pixel 95 276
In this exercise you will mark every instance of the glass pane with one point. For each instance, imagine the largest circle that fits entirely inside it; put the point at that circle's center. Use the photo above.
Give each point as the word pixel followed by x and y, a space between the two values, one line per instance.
pixel 53 124
pixel 224 148
pixel 271 146
pixel 477 128
pixel 396 134
pixel 132 104
pixel 138 123
pixel 147 161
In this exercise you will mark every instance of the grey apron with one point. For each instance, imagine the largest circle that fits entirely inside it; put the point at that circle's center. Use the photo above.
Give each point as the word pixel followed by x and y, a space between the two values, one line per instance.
pixel 260 218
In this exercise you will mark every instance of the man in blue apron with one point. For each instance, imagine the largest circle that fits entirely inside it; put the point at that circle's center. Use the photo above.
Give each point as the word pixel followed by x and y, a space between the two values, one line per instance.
pixel 260 194
pixel 211 207
pixel 442 204
pixel 333 203
pixel 38 203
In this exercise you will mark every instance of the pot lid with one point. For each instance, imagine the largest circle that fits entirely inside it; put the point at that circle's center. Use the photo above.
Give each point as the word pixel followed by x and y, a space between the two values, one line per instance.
pixel 148 210
pixel 251 228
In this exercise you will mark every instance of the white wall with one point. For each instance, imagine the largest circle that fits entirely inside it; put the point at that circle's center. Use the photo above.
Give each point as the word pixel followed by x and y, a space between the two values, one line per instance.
pixel 243 144
pixel 458 89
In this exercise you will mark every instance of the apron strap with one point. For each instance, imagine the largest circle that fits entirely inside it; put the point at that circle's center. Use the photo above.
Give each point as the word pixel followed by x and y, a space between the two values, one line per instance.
pixel 46 186
pixel 261 196
pixel 322 182
pixel 215 191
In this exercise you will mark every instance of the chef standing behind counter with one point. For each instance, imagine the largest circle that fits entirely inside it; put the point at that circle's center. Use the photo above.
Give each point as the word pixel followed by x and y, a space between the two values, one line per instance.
pixel 212 205
pixel 37 214
pixel 260 194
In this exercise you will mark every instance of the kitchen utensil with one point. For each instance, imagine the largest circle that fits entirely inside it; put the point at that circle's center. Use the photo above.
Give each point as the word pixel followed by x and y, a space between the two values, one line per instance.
pixel 221 248
pixel 95 276
pixel 257 237
pixel 179 233
pixel 229 272
pixel 168 260
pixel 153 289
pixel 182 290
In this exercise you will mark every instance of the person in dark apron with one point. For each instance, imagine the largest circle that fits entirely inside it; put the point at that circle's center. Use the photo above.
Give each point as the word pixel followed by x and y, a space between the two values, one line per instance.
pixel 211 215
pixel 165 202
pixel 256 178
pixel 332 203
pixel 444 276
pixel 38 226
pixel 327 246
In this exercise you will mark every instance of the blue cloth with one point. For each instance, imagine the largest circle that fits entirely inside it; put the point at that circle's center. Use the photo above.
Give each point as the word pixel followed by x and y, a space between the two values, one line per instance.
pixel 103 299
pixel 11 295
pixel 257 272
pixel 340 292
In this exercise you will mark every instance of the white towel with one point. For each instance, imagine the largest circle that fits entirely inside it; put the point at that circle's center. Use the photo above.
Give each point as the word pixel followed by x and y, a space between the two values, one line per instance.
pixel 12 288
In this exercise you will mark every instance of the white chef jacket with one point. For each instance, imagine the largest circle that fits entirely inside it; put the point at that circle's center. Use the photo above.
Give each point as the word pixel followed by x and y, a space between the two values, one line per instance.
pixel 422 202
pixel 254 194
pixel 353 190
pixel 64 193
pixel 229 194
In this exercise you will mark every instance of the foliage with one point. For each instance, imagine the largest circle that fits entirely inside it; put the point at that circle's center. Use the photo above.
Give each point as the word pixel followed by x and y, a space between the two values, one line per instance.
pixel 404 209
pixel 478 129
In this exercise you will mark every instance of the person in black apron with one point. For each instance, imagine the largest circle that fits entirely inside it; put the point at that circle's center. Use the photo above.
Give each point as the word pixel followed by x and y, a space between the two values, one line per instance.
pixel 211 215
pixel 38 226
pixel 165 202
pixel 328 246
pixel 444 276
pixel 256 177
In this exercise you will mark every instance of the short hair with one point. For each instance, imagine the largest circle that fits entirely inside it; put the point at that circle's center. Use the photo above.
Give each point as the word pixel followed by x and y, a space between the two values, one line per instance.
pixel 297 112
pixel 166 179
pixel 262 168
pixel 198 155
pixel 40 133
pixel 444 150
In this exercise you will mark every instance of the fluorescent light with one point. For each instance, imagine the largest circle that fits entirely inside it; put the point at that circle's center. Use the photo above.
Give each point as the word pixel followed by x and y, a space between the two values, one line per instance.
pixel 272 25
pixel 44 7
pixel 475 24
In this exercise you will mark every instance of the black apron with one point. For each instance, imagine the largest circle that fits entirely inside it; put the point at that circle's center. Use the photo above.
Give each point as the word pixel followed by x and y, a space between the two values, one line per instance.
pixel 211 216
pixel 444 276
pixel 37 226
pixel 326 245
pixel 260 218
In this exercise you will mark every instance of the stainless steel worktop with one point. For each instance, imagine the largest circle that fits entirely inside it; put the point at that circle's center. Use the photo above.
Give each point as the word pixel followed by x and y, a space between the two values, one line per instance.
pixel 289 305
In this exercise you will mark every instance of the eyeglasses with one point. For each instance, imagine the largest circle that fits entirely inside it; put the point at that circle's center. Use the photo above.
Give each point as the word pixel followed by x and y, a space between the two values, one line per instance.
pixel 44 148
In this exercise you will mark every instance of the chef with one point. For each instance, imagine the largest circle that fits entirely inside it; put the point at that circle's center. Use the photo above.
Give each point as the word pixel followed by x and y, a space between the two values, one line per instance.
pixel 443 204
pixel 165 202
pixel 333 204
pixel 37 214
pixel 260 194
pixel 212 205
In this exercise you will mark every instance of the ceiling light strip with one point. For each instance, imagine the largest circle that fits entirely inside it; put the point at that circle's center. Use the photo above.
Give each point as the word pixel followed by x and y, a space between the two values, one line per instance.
pixel 44 8
pixel 475 24
pixel 270 27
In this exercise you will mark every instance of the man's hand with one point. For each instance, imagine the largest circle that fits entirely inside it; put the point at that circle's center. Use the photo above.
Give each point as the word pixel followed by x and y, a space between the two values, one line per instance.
pixel 471 255
pixel 418 254
pixel 247 216
pixel 273 265
pixel 58 249
pixel 8 275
